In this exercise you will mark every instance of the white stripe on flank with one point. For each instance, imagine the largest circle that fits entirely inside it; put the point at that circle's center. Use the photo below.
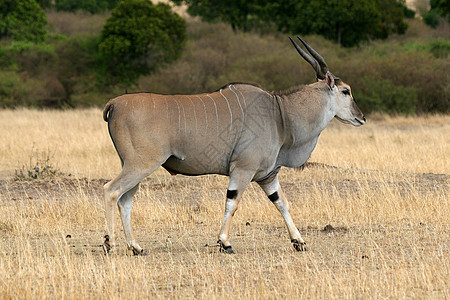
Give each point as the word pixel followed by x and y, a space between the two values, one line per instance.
pixel 217 115
pixel 179 114
pixel 237 98
pixel 239 102
pixel 206 115
pixel 167 108
pixel 243 98
pixel 184 116
pixel 195 115
pixel 229 108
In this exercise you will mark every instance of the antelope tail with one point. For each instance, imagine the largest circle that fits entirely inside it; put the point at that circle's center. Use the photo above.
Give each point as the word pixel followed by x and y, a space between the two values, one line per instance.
pixel 108 111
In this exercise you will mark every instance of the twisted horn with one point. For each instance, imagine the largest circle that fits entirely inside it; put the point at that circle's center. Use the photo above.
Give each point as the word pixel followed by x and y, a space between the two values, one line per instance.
pixel 316 61
pixel 307 57
pixel 319 59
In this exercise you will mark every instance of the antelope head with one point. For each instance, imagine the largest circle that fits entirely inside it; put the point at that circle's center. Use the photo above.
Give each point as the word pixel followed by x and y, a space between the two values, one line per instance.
pixel 345 106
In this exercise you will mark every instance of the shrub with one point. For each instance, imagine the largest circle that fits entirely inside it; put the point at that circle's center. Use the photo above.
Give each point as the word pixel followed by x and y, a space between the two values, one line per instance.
pixel 431 18
pixel 440 48
pixel 384 96
pixel 16 91
pixel 28 56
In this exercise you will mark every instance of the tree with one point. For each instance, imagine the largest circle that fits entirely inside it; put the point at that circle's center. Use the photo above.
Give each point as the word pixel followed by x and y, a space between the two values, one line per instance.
pixel 240 14
pixel 139 37
pixel 45 3
pixel 22 20
pixel 92 6
pixel 347 22
pixel 437 8
pixel 392 13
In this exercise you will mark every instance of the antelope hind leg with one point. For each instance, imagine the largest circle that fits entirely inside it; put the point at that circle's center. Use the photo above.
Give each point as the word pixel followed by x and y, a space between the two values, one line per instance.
pixel 120 191
pixel 124 204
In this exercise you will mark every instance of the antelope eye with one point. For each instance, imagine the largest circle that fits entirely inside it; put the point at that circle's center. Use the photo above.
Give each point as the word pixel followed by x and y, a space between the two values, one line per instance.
pixel 346 92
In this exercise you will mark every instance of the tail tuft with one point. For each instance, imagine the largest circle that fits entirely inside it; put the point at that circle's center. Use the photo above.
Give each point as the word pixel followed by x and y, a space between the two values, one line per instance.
pixel 108 111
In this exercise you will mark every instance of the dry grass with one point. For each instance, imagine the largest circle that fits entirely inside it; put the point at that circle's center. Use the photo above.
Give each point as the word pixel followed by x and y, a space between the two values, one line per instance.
pixel 378 186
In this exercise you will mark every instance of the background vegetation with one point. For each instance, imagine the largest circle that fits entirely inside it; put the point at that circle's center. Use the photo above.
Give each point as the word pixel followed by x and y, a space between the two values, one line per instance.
pixel 344 21
pixel 71 67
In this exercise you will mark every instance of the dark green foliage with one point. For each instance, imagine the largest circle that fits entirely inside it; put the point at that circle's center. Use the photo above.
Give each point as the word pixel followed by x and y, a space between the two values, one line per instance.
pixel 347 22
pixel 22 20
pixel 92 6
pixel 139 37
pixel 392 13
pixel 442 7
pixel 431 18
pixel 240 14
pixel 45 3
pixel 408 13
pixel 438 8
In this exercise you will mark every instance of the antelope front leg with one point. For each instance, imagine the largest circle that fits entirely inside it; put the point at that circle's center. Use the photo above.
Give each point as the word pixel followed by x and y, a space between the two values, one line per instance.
pixel 273 190
pixel 236 187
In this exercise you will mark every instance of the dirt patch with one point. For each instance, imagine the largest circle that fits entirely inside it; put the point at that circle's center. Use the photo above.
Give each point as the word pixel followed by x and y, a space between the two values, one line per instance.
pixel 330 229
pixel 59 188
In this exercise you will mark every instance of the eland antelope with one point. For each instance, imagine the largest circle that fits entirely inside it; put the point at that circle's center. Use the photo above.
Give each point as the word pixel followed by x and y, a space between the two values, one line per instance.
pixel 240 130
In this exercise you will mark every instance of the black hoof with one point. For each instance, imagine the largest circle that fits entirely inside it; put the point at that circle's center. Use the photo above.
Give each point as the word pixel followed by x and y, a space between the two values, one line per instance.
pixel 140 253
pixel 107 245
pixel 225 249
pixel 299 246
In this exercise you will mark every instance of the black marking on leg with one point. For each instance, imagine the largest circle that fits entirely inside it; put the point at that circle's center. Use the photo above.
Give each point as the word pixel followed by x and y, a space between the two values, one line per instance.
pixel 232 194
pixel 225 249
pixel 140 253
pixel 274 197
pixel 135 251
pixel 299 246
pixel 107 245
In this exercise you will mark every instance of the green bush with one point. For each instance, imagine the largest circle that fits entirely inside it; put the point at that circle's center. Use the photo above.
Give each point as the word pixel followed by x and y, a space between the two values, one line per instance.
pixel 384 96
pixel 27 56
pixel 16 91
pixel 431 18
pixel 440 48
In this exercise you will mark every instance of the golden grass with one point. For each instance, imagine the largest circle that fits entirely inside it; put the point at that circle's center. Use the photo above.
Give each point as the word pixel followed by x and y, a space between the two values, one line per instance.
pixel 378 186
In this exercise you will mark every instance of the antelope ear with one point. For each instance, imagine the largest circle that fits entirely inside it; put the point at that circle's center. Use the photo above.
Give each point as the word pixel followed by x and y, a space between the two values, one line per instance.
pixel 330 80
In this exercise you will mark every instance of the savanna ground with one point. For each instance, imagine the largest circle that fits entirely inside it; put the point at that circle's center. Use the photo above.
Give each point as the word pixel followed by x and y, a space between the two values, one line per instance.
pixel 383 189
